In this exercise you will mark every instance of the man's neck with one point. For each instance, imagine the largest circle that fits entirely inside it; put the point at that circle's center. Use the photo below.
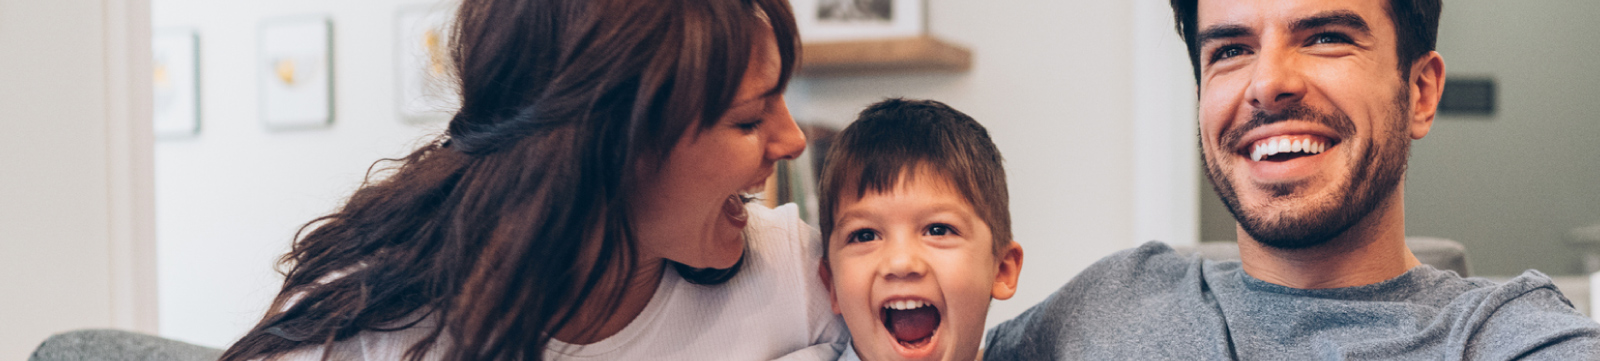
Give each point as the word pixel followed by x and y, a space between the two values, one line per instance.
pixel 1373 250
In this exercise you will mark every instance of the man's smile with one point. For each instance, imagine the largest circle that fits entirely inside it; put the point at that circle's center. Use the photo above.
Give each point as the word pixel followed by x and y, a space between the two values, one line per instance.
pixel 1285 147
pixel 1286 152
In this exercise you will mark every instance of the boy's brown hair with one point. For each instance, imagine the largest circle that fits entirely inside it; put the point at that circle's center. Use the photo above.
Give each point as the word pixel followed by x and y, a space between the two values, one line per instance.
pixel 896 137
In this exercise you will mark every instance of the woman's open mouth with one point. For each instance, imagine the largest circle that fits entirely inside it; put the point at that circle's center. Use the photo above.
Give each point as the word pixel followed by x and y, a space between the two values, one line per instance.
pixel 913 324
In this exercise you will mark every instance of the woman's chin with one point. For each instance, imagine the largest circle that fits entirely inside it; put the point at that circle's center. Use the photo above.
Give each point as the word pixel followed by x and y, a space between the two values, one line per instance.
pixel 725 255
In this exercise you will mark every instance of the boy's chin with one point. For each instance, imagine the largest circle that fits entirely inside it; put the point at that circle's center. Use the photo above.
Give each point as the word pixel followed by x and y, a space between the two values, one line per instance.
pixel 885 347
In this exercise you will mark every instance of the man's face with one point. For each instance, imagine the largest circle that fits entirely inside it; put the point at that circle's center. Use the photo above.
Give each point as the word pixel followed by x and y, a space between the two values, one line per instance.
pixel 1303 113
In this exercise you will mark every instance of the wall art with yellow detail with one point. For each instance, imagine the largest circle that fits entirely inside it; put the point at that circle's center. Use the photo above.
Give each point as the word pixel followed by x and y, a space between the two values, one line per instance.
pixel 296 73
pixel 175 77
pixel 849 20
pixel 426 92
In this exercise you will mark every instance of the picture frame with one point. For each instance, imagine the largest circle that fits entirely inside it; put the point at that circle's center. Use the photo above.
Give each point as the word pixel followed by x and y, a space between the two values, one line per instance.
pixel 175 81
pixel 295 72
pixel 425 91
pixel 854 20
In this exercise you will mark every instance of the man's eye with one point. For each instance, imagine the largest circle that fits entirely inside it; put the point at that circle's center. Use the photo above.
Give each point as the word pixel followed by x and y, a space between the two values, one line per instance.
pixel 862 236
pixel 1227 52
pixel 1329 38
pixel 939 230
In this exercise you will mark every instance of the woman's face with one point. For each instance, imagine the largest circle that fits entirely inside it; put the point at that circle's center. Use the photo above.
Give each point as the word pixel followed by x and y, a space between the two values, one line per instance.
pixel 682 210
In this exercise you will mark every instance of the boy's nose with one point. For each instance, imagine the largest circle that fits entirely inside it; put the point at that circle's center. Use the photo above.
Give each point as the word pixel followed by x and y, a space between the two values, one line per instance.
pixel 905 261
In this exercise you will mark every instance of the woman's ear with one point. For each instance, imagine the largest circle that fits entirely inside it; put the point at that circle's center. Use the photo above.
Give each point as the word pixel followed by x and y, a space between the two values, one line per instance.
pixel 1010 264
pixel 827 282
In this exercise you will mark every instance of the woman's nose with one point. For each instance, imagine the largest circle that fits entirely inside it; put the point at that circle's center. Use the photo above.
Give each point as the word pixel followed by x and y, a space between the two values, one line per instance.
pixel 786 141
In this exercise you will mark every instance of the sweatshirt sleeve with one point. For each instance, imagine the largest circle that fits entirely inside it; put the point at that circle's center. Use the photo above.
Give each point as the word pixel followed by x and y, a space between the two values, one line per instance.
pixel 1529 319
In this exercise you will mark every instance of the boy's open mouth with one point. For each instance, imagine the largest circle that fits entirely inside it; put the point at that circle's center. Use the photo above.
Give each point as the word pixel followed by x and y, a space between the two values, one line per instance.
pixel 912 322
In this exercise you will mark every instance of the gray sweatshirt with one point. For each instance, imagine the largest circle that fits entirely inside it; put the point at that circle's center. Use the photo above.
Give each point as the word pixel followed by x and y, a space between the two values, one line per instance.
pixel 1150 303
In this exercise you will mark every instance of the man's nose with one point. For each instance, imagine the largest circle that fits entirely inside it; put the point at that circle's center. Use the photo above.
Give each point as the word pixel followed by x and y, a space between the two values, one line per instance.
pixel 1277 81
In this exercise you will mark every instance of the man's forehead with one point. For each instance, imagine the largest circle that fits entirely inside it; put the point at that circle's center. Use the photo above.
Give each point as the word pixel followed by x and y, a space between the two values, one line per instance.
pixel 1253 13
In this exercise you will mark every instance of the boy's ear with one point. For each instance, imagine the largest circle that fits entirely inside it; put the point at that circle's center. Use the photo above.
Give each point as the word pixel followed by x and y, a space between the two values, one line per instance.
pixel 1010 263
pixel 827 282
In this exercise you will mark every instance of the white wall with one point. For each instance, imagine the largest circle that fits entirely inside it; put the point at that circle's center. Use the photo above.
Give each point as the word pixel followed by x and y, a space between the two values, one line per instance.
pixel 231 199
pixel 76 238
pixel 1054 81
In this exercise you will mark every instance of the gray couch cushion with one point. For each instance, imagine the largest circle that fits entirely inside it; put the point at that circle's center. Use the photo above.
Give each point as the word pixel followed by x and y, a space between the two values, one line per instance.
pixel 1440 253
pixel 115 345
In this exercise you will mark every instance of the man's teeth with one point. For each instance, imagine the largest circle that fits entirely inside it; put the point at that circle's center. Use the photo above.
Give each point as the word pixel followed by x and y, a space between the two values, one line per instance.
pixel 905 305
pixel 1269 148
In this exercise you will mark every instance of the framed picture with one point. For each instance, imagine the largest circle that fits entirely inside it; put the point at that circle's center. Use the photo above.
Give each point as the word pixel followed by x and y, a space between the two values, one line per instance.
pixel 845 20
pixel 296 73
pixel 175 77
pixel 426 91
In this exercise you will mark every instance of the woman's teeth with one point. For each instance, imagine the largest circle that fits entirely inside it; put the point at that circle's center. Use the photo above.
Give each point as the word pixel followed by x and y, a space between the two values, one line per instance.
pixel 905 305
pixel 1272 147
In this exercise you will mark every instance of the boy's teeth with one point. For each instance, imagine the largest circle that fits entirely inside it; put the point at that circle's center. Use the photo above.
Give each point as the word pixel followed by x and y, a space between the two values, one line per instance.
pixel 904 305
pixel 1284 145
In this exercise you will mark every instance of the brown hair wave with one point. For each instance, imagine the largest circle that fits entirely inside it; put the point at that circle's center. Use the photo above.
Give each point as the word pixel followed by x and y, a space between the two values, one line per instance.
pixel 499 229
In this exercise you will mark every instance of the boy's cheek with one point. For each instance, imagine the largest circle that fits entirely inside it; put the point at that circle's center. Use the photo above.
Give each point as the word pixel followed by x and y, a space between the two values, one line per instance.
pixel 826 274
pixel 852 290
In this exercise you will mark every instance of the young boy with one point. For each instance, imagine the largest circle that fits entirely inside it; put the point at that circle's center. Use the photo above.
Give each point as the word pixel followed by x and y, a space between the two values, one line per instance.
pixel 917 229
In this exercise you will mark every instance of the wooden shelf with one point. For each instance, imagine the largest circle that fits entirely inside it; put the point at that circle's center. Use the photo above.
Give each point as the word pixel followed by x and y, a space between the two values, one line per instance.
pixel 869 57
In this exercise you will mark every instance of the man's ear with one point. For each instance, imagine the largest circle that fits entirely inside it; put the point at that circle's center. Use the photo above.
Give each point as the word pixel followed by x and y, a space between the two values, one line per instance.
pixel 1010 263
pixel 1427 84
pixel 827 282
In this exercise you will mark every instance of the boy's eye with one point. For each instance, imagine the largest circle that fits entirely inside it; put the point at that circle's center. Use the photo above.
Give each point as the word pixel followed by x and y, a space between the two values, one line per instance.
pixel 940 230
pixel 864 235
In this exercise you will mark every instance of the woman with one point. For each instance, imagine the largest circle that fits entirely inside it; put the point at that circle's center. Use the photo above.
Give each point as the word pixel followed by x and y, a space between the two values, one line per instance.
pixel 584 205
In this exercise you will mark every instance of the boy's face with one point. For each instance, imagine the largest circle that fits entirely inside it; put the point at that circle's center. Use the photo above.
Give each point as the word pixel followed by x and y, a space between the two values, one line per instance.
pixel 913 270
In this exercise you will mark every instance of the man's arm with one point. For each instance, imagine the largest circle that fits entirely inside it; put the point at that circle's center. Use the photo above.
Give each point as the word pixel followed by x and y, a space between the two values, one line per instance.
pixel 1539 324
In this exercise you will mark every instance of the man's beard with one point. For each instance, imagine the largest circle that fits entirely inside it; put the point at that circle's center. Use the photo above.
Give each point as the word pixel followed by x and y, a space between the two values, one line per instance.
pixel 1372 179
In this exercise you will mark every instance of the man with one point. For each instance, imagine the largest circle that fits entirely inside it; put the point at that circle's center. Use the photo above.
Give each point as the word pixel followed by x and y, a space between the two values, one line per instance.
pixel 1307 111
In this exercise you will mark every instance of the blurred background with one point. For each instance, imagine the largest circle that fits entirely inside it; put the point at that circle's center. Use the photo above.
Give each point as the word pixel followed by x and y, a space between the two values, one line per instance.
pixel 160 201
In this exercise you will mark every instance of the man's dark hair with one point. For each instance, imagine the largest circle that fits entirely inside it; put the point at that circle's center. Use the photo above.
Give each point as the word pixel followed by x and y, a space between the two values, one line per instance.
pixel 1416 27
pixel 899 137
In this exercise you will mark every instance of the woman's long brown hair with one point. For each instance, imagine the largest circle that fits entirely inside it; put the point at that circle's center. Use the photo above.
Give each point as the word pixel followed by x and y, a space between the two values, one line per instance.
pixel 498 232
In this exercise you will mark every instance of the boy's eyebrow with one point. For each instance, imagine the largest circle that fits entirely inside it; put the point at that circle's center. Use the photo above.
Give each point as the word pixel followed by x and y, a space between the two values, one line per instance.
pixel 934 209
pixel 850 214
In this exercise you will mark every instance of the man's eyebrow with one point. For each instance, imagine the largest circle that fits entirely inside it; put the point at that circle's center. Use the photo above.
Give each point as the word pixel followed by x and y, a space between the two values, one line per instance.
pixel 1343 18
pixel 1224 31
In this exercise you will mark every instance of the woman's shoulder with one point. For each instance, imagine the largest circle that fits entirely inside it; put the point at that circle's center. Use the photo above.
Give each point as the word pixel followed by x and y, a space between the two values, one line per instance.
pixel 779 232
pixel 373 345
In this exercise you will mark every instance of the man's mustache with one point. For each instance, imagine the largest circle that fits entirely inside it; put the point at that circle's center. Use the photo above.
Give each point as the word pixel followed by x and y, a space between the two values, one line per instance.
pixel 1338 121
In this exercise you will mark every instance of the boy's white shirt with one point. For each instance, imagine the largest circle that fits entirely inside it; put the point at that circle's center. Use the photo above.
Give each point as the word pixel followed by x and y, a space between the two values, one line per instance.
pixel 775 308
pixel 849 352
